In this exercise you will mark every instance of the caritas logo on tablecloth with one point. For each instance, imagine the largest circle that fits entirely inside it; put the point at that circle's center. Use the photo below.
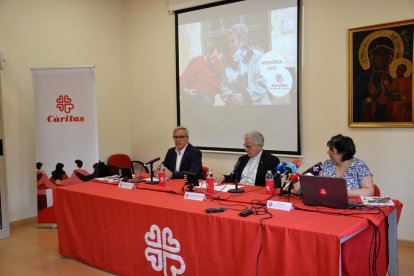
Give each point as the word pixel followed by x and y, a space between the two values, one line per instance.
pixel 162 251
pixel 64 104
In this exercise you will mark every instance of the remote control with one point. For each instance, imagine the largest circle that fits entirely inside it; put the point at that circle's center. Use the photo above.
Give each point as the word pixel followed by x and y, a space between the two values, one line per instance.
pixel 246 213
pixel 214 210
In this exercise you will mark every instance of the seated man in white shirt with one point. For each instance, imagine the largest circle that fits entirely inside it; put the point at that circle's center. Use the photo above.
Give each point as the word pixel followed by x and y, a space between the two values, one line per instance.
pixel 251 168
pixel 183 157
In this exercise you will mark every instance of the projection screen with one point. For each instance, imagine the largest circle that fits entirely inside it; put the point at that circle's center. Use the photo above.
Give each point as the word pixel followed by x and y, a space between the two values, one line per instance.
pixel 237 70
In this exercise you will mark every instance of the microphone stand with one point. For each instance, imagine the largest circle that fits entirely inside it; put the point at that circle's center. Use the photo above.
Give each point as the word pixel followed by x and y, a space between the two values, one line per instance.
pixel 152 181
pixel 188 183
pixel 236 190
pixel 287 190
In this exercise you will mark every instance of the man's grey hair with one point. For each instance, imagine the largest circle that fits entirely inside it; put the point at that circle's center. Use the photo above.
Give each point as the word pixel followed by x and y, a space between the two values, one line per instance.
pixel 182 128
pixel 240 30
pixel 256 136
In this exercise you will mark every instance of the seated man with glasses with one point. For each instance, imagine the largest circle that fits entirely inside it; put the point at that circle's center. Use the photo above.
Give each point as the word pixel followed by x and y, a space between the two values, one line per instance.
pixel 251 168
pixel 182 157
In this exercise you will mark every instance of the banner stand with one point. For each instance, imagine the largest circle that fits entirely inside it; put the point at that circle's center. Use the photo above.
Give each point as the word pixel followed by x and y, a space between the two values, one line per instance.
pixel 66 131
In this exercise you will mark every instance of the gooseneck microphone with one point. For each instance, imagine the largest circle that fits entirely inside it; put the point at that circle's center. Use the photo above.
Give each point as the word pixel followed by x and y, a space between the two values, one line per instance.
pixel 236 189
pixel 151 163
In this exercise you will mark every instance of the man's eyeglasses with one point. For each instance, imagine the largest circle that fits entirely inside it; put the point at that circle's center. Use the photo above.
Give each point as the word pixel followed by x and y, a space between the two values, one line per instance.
pixel 247 147
pixel 179 137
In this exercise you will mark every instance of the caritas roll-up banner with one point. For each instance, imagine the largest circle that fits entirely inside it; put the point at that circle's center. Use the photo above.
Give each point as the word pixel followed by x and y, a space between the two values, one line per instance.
pixel 66 131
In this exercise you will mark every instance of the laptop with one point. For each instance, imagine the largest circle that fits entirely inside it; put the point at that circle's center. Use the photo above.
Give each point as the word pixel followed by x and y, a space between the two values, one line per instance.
pixel 124 172
pixel 325 191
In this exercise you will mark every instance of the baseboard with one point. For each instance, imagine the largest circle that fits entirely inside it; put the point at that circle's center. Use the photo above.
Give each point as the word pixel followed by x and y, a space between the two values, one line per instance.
pixel 23 221
pixel 406 243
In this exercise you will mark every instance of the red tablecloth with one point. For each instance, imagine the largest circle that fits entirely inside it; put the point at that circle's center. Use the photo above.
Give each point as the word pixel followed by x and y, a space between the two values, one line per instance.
pixel 147 232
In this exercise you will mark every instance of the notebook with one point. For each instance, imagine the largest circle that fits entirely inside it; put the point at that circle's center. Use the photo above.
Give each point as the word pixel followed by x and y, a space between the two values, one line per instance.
pixel 325 191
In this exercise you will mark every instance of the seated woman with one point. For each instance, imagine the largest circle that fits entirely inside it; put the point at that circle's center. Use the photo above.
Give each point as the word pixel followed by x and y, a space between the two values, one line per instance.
pixel 74 179
pixel 58 174
pixel 43 183
pixel 342 163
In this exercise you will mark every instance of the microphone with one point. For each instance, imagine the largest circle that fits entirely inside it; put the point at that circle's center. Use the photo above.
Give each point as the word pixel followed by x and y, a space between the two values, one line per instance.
pixel 290 168
pixel 314 170
pixel 236 190
pixel 277 177
pixel 152 161
pixel 297 163
pixel 280 168
pixel 293 178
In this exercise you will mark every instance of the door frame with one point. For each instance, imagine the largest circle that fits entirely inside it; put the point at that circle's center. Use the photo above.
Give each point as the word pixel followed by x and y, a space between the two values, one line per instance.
pixel 4 215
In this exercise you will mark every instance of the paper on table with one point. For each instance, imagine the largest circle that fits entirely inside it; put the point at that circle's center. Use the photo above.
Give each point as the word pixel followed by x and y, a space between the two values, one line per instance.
pixel 107 180
pixel 226 187
pixel 377 201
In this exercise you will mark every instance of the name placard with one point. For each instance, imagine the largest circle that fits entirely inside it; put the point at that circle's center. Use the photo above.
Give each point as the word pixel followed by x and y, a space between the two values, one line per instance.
pixel 194 196
pixel 126 185
pixel 279 205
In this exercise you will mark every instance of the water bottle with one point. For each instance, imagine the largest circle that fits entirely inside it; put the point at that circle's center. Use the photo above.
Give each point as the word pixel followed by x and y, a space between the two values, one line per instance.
pixel 210 181
pixel 270 186
pixel 162 178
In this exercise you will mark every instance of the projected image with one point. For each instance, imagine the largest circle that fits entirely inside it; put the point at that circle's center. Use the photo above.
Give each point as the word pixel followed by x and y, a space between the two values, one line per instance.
pixel 237 69
pixel 243 60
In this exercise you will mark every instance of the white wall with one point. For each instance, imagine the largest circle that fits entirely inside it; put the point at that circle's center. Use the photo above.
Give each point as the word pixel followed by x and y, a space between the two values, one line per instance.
pixel 132 45
pixel 50 33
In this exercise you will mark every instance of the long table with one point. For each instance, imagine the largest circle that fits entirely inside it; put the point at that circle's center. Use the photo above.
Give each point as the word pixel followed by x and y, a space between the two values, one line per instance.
pixel 154 230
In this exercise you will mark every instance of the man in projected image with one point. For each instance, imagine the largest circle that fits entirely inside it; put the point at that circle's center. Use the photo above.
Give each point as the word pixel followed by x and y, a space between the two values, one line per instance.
pixel 182 157
pixel 251 168
pixel 242 81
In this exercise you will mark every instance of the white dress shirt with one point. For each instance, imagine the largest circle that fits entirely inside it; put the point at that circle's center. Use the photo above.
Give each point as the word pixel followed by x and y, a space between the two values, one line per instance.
pixel 248 175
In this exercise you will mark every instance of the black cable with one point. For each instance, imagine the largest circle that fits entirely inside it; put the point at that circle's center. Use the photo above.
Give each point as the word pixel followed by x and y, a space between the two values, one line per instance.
pixel 233 205
pixel 374 250
pixel 257 207
pixel 375 245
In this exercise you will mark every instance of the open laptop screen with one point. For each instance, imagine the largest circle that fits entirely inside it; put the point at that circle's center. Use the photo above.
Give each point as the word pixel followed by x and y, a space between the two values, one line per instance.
pixel 324 191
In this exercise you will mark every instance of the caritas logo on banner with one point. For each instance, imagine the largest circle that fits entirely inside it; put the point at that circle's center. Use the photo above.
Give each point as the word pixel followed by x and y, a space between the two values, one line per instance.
pixel 65 105
pixel 278 78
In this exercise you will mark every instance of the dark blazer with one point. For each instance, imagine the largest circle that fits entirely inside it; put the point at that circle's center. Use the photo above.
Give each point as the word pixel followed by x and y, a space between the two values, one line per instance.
pixel 267 162
pixel 191 161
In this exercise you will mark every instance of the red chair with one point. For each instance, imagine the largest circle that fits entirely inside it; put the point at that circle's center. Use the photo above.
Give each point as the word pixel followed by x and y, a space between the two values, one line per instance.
pixel 124 161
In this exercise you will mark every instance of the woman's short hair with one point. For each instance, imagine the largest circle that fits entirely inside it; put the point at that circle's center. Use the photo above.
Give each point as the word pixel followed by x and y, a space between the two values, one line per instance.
pixel 344 145
pixel 256 136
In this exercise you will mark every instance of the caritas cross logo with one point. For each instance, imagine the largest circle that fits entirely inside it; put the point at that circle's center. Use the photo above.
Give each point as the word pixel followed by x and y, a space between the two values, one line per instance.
pixel 64 104
pixel 162 251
